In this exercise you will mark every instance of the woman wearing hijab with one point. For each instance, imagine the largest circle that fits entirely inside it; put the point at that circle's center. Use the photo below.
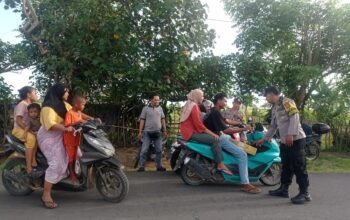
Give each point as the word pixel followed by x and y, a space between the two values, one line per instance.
pixel 192 127
pixel 50 139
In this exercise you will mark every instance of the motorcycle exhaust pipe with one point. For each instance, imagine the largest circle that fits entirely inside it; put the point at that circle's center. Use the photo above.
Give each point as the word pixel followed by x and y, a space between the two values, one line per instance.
pixel 197 168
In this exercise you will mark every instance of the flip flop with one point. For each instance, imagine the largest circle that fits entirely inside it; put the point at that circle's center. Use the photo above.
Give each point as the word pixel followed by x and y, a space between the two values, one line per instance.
pixel 49 204
pixel 251 189
pixel 226 171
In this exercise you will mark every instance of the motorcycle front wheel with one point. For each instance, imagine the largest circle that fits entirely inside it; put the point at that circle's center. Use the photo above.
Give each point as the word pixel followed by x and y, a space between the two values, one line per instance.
pixel 112 184
pixel 15 178
pixel 272 176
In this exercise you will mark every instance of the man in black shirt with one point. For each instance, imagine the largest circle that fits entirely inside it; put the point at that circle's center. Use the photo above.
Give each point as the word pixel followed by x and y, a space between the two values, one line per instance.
pixel 217 124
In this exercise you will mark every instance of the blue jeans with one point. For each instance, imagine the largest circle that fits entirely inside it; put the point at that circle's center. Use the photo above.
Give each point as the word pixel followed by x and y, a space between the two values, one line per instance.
pixel 146 141
pixel 240 154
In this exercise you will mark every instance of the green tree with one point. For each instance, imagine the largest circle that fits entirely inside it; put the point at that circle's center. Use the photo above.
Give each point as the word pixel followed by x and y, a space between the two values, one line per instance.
pixel 5 102
pixel 115 49
pixel 5 91
pixel 14 57
pixel 212 74
pixel 294 44
pixel 330 104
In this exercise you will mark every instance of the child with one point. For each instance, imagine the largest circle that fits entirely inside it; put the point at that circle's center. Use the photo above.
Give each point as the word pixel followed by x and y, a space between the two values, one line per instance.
pixel 72 142
pixel 27 95
pixel 32 125
pixel 33 122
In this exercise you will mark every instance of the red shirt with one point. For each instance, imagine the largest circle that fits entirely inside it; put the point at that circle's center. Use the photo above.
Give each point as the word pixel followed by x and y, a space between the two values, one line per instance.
pixel 193 124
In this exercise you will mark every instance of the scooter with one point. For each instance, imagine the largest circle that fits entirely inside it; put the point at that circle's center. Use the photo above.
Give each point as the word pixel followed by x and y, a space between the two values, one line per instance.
pixel 195 163
pixel 97 165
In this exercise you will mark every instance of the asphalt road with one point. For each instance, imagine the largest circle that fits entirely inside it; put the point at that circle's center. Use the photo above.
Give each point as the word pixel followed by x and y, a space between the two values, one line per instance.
pixel 155 195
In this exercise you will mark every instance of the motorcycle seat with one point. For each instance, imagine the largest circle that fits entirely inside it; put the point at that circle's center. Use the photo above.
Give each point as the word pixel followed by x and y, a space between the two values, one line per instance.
pixel 313 135
pixel 179 138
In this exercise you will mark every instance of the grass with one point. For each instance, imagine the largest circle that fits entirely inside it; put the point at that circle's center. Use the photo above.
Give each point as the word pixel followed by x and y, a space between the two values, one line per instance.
pixel 330 163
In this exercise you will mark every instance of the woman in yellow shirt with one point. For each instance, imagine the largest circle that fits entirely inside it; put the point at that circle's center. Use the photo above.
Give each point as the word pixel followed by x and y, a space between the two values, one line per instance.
pixel 50 139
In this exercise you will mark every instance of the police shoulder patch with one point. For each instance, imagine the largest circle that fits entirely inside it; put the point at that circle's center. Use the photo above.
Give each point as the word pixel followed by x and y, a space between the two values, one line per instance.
pixel 290 107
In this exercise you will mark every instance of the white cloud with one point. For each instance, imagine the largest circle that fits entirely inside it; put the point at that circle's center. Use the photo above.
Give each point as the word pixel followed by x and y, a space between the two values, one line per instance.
pixel 17 79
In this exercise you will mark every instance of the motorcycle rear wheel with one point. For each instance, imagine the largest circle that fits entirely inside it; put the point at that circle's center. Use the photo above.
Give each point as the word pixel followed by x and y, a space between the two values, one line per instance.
pixel 15 179
pixel 312 151
pixel 272 176
pixel 188 176
pixel 112 184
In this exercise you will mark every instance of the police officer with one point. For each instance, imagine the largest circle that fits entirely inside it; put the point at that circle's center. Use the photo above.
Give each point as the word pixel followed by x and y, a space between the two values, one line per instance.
pixel 285 119
pixel 236 117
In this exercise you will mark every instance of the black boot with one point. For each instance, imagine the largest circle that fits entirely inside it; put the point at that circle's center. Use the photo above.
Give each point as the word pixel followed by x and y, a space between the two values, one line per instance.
pixel 282 191
pixel 301 198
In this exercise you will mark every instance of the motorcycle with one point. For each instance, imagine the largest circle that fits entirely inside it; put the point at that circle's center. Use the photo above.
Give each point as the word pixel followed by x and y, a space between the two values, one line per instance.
pixel 97 165
pixel 195 163
pixel 151 154
pixel 313 140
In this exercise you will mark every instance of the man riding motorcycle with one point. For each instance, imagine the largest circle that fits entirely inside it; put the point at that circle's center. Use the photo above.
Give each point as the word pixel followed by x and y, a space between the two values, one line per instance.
pixel 216 123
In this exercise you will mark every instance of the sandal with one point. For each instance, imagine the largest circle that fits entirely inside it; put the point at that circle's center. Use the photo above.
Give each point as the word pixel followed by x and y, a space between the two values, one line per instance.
pixel 251 189
pixel 226 171
pixel 49 204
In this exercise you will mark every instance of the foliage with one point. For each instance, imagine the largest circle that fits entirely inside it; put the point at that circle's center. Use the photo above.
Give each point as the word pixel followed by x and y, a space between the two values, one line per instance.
pixel 14 57
pixel 5 105
pixel 5 91
pixel 117 49
pixel 294 44
pixel 212 74
pixel 330 103
pixel 13 4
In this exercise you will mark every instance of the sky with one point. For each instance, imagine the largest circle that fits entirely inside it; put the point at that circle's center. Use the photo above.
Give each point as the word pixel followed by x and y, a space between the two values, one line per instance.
pixel 9 23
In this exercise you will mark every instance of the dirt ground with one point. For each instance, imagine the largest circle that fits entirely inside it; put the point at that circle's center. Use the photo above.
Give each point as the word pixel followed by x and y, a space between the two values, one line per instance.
pixel 128 156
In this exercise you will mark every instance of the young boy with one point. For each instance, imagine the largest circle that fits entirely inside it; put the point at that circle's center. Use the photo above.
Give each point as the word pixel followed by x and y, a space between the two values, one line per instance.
pixel 32 125
pixel 72 142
